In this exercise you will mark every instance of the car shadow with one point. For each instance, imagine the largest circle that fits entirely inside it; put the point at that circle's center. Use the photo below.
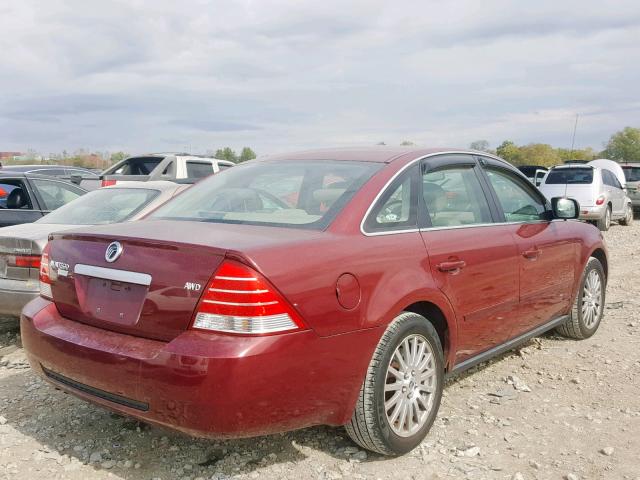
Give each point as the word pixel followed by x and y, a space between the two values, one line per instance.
pixel 79 435
pixel 85 436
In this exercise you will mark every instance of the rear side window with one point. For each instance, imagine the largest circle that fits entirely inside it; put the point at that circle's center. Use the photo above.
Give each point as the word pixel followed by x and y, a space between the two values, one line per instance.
pixel 137 166
pixel 561 176
pixel 199 169
pixel 291 193
pixel 55 194
pixel 632 174
pixel 454 197
pixel 396 209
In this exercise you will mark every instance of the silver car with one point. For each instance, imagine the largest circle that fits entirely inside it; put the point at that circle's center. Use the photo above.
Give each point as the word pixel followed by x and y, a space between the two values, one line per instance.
pixel 21 245
pixel 632 175
pixel 601 196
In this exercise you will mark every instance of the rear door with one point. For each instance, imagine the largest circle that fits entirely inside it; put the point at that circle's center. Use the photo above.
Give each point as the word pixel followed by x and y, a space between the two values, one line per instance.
pixel 17 203
pixel 616 193
pixel 473 259
pixel 546 251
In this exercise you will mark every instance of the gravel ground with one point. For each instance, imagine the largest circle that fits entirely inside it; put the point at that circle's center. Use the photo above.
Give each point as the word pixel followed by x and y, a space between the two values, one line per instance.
pixel 554 409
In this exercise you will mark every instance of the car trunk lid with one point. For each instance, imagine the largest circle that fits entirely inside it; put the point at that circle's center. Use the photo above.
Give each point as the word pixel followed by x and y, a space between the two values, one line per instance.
pixel 150 291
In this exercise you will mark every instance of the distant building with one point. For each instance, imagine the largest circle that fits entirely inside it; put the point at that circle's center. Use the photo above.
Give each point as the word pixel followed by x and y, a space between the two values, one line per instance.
pixel 9 155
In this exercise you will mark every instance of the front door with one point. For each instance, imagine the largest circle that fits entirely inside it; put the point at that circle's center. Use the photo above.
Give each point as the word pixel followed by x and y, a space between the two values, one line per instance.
pixel 473 259
pixel 546 252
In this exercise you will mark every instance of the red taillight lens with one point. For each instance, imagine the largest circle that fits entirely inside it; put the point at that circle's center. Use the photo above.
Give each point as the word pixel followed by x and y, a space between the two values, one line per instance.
pixel 45 280
pixel 600 200
pixel 23 261
pixel 240 300
pixel 108 183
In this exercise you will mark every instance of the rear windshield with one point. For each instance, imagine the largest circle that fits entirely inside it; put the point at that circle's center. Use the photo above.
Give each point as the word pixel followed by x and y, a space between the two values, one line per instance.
pixel 302 194
pixel 136 166
pixel 581 176
pixel 106 205
pixel 632 174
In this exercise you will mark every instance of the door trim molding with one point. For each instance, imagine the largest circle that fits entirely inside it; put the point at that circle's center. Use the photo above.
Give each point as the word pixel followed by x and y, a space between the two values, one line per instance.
pixel 506 346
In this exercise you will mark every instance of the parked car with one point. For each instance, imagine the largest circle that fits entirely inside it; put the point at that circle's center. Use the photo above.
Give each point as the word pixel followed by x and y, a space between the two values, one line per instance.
pixel 27 197
pixel 163 166
pixel 21 245
pixel 534 173
pixel 632 177
pixel 601 196
pixel 333 287
pixel 83 177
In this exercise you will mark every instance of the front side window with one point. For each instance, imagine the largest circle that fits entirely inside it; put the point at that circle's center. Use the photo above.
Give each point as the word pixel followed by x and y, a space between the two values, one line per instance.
pixel 454 197
pixel 13 195
pixel 516 200
pixel 292 193
pixel 55 194
pixel 102 206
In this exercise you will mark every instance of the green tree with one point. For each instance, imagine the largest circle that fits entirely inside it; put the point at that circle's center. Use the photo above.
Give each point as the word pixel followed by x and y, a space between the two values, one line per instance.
pixel 539 154
pixel 480 145
pixel 226 154
pixel 624 146
pixel 510 152
pixel 118 156
pixel 246 154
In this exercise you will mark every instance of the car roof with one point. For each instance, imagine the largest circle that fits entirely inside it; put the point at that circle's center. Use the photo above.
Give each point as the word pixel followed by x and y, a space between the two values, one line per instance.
pixel 26 168
pixel 153 185
pixel 379 154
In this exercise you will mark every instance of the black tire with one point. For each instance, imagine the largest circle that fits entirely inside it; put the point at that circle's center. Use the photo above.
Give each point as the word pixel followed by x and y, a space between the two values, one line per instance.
pixel 605 222
pixel 576 326
pixel 369 426
pixel 628 216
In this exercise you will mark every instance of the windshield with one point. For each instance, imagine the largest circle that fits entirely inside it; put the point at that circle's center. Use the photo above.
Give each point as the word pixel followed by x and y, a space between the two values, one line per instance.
pixel 303 194
pixel 581 176
pixel 107 205
pixel 632 174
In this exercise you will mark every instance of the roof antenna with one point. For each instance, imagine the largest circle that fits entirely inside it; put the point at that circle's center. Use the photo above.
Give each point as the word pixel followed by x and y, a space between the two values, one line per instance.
pixel 573 138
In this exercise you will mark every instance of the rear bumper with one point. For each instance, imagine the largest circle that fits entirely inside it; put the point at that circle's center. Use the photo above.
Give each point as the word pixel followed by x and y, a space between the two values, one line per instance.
pixel 592 213
pixel 208 385
pixel 15 294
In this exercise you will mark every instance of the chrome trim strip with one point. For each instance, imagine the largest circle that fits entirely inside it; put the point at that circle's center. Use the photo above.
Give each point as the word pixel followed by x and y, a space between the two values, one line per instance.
pixel 113 274
pixel 399 172
pixel 221 290
pixel 256 304
pixel 237 279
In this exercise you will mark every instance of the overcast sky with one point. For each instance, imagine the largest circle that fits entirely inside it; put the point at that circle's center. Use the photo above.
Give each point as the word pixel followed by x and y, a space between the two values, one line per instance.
pixel 279 75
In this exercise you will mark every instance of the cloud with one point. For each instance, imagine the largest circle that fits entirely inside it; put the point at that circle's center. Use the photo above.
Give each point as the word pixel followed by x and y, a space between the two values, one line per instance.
pixel 279 75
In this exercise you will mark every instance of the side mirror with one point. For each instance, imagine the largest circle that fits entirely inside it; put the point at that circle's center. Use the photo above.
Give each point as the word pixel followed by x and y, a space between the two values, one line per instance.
pixel 76 179
pixel 565 208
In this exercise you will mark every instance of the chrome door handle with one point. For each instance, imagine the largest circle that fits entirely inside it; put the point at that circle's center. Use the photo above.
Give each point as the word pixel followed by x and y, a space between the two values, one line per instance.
pixel 531 254
pixel 452 267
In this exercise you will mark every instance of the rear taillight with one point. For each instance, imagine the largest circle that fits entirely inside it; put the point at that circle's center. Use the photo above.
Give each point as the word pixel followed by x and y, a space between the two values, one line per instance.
pixel 108 183
pixel 45 279
pixel 23 261
pixel 600 200
pixel 240 300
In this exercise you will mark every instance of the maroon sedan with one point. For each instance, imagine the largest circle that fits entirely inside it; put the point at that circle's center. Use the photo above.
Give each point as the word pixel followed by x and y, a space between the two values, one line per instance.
pixel 330 287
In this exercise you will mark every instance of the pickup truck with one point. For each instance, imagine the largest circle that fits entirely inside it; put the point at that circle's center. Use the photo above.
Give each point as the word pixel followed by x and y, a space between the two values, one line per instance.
pixel 176 167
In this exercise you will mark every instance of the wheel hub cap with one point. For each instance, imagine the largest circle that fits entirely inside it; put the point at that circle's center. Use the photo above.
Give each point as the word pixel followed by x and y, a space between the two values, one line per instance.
pixel 592 301
pixel 410 386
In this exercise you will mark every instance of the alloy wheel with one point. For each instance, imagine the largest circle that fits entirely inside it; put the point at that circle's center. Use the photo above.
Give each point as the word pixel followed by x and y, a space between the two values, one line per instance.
pixel 410 386
pixel 592 299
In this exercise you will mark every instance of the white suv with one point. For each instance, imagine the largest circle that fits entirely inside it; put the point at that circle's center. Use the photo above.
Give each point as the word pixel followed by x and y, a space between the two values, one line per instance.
pixel 601 196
